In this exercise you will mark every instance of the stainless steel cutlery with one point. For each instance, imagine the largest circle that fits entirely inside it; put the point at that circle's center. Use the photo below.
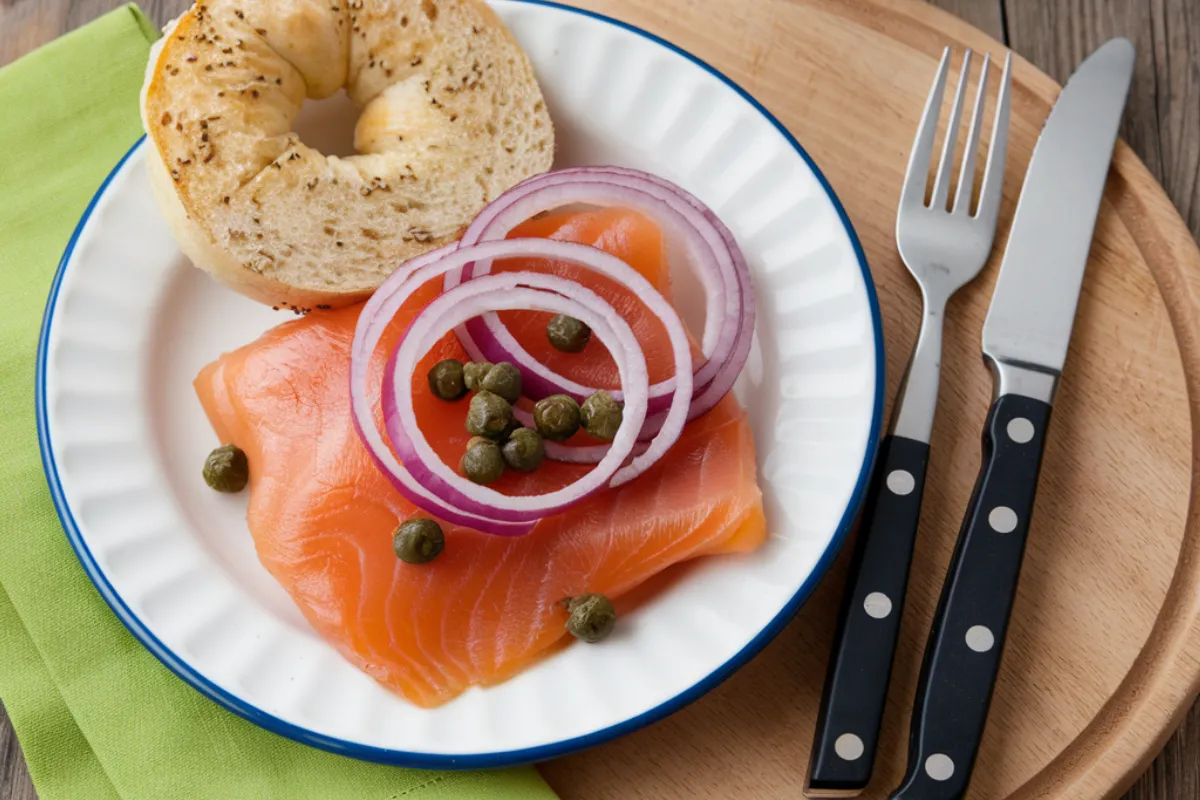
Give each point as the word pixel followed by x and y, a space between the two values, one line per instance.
pixel 1025 340
pixel 944 250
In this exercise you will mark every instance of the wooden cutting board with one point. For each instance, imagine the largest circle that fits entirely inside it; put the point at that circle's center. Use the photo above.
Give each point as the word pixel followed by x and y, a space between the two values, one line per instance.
pixel 1103 655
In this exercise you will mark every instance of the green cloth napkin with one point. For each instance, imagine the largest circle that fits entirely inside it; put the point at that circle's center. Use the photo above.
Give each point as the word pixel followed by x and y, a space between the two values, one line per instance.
pixel 97 715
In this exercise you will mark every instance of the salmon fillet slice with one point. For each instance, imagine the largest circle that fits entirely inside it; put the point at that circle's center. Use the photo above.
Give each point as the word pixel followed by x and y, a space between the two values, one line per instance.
pixel 322 514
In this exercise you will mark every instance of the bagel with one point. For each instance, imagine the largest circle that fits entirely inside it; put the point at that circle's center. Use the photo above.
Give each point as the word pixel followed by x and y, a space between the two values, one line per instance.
pixel 451 115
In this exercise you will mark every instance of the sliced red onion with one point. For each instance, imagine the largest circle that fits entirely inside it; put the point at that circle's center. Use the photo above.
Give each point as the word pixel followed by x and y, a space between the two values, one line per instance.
pixel 372 322
pixel 727 376
pixel 706 396
pixel 683 218
pixel 510 292
pixel 391 296
pixel 617 186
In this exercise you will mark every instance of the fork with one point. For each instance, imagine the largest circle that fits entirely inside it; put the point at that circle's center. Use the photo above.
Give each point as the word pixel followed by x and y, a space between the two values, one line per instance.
pixel 943 251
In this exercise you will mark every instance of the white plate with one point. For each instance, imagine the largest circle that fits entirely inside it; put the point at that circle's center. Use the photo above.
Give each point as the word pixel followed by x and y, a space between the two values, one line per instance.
pixel 129 323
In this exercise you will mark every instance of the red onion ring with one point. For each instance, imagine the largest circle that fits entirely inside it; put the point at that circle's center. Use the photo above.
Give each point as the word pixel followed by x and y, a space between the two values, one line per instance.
pixel 372 322
pixel 617 186
pixel 722 384
pixel 503 292
pixel 680 214
pixel 391 296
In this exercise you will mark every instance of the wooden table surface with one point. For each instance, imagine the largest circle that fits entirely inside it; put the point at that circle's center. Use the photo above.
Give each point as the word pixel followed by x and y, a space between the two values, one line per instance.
pixel 1162 124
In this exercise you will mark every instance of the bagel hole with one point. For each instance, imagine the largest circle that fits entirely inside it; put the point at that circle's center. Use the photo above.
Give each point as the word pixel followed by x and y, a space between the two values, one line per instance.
pixel 328 125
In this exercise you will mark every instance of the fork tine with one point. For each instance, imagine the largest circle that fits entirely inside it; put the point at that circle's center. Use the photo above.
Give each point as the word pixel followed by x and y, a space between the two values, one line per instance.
pixel 941 184
pixel 966 175
pixel 917 175
pixel 993 176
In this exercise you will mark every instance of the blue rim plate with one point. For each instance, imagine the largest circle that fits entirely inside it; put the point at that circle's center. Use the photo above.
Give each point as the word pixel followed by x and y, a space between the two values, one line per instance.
pixel 545 29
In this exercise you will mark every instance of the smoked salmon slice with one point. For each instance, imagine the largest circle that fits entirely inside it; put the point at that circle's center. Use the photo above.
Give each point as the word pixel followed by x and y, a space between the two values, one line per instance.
pixel 322 514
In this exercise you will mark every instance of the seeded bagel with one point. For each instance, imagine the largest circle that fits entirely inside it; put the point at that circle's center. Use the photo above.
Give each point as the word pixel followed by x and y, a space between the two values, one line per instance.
pixel 450 116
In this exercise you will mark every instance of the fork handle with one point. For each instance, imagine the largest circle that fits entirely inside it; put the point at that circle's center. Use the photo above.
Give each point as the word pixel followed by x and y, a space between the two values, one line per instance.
pixel 860 666
pixel 962 657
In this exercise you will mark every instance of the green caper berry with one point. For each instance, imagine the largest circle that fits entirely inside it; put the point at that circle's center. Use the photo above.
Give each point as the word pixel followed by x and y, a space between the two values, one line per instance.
pixel 226 469
pixel 600 416
pixel 524 450
pixel 474 373
pixel 446 379
pixel 592 617
pixel 556 417
pixel 418 540
pixel 489 415
pixel 568 334
pixel 503 379
pixel 482 463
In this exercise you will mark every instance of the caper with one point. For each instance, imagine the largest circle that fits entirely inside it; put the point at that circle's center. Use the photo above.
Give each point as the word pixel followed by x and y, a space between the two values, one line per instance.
pixel 446 379
pixel 489 415
pixel 524 450
pixel 556 417
pixel 418 540
pixel 600 415
pixel 474 373
pixel 592 617
pixel 567 333
pixel 503 379
pixel 226 469
pixel 482 463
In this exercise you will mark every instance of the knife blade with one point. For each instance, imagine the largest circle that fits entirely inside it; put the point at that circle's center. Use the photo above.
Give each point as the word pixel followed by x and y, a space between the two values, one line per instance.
pixel 1025 340
pixel 1033 305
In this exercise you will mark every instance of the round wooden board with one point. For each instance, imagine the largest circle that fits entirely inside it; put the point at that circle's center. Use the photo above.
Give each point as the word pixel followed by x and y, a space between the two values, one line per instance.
pixel 1103 655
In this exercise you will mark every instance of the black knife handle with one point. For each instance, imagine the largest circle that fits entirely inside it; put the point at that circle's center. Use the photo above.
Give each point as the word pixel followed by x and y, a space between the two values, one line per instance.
pixel 860 665
pixel 966 642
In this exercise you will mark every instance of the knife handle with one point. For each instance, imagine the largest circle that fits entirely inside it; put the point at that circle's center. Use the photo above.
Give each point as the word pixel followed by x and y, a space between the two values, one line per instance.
pixel 962 657
pixel 860 665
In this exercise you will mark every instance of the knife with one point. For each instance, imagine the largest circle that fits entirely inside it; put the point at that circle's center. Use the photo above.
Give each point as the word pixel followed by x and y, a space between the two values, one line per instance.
pixel 1025 340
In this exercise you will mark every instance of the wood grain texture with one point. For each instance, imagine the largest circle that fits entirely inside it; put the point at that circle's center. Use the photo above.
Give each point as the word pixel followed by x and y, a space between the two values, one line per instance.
pixel 986 15
pixel 1163 119
pixel 1162 124
pixel 14 777
pixel 750 737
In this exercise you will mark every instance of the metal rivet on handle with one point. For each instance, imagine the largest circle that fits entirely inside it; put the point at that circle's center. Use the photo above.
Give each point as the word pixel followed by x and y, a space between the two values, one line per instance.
pixel 877 605
pixel 849 747
pixel 980 639
pixel 901 482
pixel 1020 430
pixel 1003 519
pixel 939 767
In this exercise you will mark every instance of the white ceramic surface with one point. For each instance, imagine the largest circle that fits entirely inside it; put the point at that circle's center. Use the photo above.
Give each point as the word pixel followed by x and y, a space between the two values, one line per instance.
pixel 130 324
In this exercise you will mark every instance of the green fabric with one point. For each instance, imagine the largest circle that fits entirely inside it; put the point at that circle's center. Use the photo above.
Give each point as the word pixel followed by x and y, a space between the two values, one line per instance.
pixel 96 714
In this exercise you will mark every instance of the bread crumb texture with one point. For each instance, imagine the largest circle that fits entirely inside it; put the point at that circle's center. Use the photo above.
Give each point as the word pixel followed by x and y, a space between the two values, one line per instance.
pixel 450 116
